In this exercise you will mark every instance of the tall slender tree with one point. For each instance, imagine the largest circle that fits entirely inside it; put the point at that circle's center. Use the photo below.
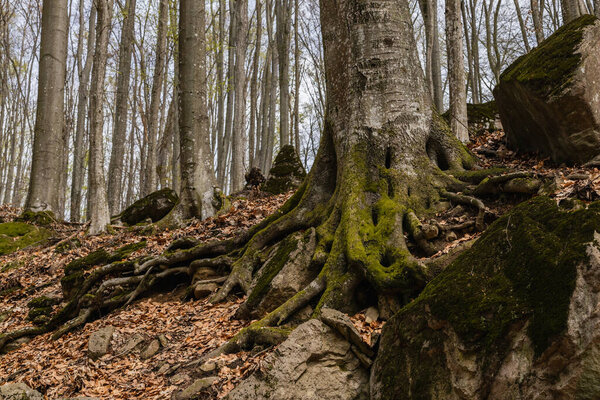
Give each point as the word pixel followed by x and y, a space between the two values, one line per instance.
pixel 47 146
pixel 456 71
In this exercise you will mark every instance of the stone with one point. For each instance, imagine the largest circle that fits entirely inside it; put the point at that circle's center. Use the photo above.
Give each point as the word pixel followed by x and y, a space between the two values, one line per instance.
pixel 203 290
pixel 480 117
pixel 19 391
pixel 195 388
pixel 254 178
pixel 344 326
pixel 548 99
pixel 18 235
pixel 208 366
pixel 202 273
pixel 514 317
pixel 371 315
pixel 314 363
pixel 154 206
pixel 291 258
pixel 164 342
pixel 99 342
pixel 287 172
pixel 133 342
pixel 150 350
pixel 178 379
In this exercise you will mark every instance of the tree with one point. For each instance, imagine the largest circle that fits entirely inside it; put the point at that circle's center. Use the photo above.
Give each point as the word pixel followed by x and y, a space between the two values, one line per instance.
pixel 115 168
pixel 283 12
pixel 456 71
pixel 46 165
pixel 97 200
pixel 197 176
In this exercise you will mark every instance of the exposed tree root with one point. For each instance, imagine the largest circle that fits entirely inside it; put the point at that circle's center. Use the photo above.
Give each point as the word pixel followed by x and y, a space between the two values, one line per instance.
pixel 471 201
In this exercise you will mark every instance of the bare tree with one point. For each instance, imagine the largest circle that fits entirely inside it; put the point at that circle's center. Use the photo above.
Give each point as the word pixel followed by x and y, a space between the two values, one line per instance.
pixel 456 71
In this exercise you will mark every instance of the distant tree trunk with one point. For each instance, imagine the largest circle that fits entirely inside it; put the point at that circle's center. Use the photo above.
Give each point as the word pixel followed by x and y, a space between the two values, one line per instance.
pixel 47 145
pixel 98 202
pixel 597 8
pixel 115 169
pixel 570 10
pixel 456 71
pixel 197 177
pixel 155 100
pixel 272 110
pixel 538 25
pixel 222 89
pixel 522 26
pixel 283 37
pixel 165 149
pixel 297 68
pixel 264 106
pixel 254 131
pixel 239 130
pixel 432 52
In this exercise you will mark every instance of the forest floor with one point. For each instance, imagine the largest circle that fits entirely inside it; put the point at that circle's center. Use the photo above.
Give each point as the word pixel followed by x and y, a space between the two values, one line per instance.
pixel 186 329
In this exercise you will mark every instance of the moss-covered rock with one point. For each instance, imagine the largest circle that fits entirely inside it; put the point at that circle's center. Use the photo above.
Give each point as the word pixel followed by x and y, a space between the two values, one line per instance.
pixel 64 247
pixel 518 286
pixel 155 207
pixel 548 100
pixel 40 218
pixel 287 172
pixel 480 116
pixel 18 235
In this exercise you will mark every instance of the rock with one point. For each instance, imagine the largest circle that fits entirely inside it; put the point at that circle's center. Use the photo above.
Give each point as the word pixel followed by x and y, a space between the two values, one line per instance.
pixel 15 344
pixel 178 379
pixel 19 391
pixel 515 317
pixel 195 388
pixel 203 290
pixel 150 350
pixel 314 363
pixel 344 326
pixel 18 235
pixel 208 366
pixel 254 178
pixel 99 342
pixel 482 116
pixel 548 99
pixel 202 273
pixel 164 342
pixel 371 315
pixel 287 172
pixel 451 236
pixel 154 206
pixel 132 344
pixel 291 259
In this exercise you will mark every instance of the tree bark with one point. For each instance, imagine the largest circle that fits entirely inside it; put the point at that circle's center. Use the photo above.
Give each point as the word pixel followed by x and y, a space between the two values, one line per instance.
pixel 538 26
pixel 433 75
pixel 456 71
pixel 297 70
pixel 283 37
pixel 522 26
pixel 115 169
pixel 46 164
pixel 254 131
pixel 98 203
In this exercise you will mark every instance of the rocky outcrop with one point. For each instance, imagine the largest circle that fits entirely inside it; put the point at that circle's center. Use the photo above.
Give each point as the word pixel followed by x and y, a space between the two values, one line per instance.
pixel 314 363
pixel 515 317
pixel 19 391
pixel 548 99
pixel 287 172
pixel 155 207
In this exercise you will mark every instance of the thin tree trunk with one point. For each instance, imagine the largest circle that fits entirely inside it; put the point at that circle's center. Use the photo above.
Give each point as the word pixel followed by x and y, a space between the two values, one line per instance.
pixel 297 68
pixel 115 169
pixel 254 131
pixel 283 37
pixel 98 202
pixel 522 26
pixel 47 145
pixel 456 71
pixel 538 26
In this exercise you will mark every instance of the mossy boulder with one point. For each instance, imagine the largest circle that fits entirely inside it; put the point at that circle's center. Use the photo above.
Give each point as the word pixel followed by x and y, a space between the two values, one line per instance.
pixel 155 207
pixel 287 172
pixel 18 235
pixel 40 218
pixel 548 100
pixel 512 317
pixel 480 116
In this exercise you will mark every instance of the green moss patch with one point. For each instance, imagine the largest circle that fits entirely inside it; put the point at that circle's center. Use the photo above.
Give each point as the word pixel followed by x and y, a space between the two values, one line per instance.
pixel 18 235
pixel 41 218
pixel 101 256
pixel 524 266
pixel 548 68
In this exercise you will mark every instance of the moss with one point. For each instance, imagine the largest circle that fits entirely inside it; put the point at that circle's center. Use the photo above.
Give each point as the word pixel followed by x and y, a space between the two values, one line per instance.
pixel 524 266
pixel 482 113
pixel 101 257
pixel 70 283
pixel 477 176
pixel 42 301
pixel 39 311
pixel 125 251
pixel 548 68
pixel 18 235
pixel 287 172
pixel 41 218
pixel 154 206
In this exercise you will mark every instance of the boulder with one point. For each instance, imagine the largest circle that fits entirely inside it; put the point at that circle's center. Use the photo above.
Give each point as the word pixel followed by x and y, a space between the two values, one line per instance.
pixel 18 235
pixel 99 342
pixel 19 391
pixel 154 206
pixel 202 290
pixel 287 172
pixel 314 363
pixel 515 317
pixel 482 116
pixel 150 350
pixel 548 99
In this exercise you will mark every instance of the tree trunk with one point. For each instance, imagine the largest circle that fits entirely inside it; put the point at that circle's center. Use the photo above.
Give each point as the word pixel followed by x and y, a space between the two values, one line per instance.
pixel 239 130
pixel 283 37
pixel 297 70
pixel 254 131
pixel 433 75
pixel 115 169
pixel 197 176
pixel 538 25
pixel 98 202
pixel 456 71
pixel 47 146
pixel 153 113
pixel 522 26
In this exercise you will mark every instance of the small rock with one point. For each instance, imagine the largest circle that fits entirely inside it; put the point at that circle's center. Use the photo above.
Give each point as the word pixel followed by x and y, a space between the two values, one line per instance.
pixel 371 315
pixel 131 344
pixel 203 290
pixel 342 324
pixel 99 342
pixel 362 357
pixel 199 385
pixel 178 379
pixel 164 368
pixel 150 350
pixel 164 342
pixel 202 273
pixel 208 366
pixel 19 391
pixel 451 236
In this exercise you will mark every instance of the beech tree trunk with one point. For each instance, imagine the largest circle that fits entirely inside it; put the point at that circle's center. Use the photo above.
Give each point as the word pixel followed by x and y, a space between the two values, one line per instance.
pixel 97 200
pixel 43 194
pixel 456 71
pixel 433 75
pixel 283 13
pixel 115 169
